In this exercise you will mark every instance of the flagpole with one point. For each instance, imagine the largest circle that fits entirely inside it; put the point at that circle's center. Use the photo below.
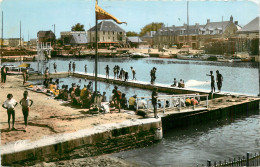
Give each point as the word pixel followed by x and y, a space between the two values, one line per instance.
pixel 96 56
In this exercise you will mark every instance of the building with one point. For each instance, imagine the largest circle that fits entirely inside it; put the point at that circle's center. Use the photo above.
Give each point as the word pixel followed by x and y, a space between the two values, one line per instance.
pixel 14 42
pixel 196 35
pixel 251 30
pixel 148 38
pixel 134 42
pixel 74 38
pixel 109 34
pixel 248 38
pixel 46 36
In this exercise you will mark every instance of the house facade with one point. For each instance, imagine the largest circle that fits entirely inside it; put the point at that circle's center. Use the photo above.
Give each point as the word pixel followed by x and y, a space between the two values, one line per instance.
pixel 74 37
pixel 109 34
pixel 46 36
pixel 196 35
pixel 248 38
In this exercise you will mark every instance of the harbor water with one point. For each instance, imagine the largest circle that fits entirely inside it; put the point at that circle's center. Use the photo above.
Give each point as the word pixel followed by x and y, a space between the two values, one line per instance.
pixel 239 77
pixel 188 146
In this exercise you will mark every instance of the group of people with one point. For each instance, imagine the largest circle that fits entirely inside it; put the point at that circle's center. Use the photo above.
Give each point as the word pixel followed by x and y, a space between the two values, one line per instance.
pixel 179 84
pixel 10 104
pixel 120 73
pixel 73 65
pixel 212 81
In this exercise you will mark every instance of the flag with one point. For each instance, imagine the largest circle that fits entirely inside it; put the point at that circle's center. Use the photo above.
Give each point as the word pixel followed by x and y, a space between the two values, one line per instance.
pixel 101 14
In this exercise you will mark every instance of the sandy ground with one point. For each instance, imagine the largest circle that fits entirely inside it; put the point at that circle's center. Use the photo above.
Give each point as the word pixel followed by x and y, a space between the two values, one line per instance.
pixel 47 116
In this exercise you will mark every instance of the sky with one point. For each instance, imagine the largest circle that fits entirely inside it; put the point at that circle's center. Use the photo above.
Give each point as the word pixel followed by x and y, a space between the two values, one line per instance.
pixel 41 15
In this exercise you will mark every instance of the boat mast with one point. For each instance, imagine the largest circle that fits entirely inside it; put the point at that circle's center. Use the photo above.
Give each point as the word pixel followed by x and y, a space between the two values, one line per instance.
pixel 2 39
pixel 96 56
pixel 20 42
pixel 188 41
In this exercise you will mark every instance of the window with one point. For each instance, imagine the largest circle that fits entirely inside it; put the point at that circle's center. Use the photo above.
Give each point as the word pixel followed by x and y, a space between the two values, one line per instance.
pixel 103 38
pixel 113 32
pixel 193 37
pixel 104 32
pixel 120 33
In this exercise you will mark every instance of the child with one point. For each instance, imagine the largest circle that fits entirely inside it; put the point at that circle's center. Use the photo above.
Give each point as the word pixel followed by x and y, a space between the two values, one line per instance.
pixel 9 104
pixel 24 102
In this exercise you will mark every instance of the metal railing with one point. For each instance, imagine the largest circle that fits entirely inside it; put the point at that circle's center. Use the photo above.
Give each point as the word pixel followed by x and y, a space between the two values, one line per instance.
pixel 248 160
pixel 174 101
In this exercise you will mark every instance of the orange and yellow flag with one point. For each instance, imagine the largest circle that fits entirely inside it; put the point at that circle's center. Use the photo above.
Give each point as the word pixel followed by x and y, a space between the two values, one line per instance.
pixel 101 14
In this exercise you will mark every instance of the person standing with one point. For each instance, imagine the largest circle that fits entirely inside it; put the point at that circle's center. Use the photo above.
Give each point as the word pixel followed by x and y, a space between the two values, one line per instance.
pixel 117 98
pixel 154 101
pixel 70 66
pixel 107 71
pixel 115 71
pixel 3 74
pixel 212 81
pixel 219 80
pixel 9 104
pixel 55 67
pixel 25 75
pixel 46 73
pixel 133 72
pixel 73 67
pixel 86 68
pixel 24 102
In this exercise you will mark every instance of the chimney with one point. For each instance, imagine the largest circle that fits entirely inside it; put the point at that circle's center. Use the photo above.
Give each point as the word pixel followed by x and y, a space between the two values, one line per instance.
pixel 197 24
pixel 208 20
pixel 173 26
pixel 231 18
pixel 236 22
pixel 185 25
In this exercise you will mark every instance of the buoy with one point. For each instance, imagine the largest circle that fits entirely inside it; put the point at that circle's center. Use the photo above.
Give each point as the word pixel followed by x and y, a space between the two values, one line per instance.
pixel 158 134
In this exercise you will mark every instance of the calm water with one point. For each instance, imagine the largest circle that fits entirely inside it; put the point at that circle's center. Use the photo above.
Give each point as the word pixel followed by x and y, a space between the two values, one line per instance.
pixel 240 77
pixel 189 146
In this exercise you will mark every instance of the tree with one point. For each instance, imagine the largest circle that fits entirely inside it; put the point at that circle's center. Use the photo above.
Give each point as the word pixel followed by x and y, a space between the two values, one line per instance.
pixel 150 27
pixel 78 27
pixel 131 34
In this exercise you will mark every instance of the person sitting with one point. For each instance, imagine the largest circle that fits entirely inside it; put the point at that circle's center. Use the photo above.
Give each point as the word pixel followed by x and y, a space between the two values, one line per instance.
pixel 194 102
pixel 132 103
pixel 142 104
pixel 181 84
pixel 61 92
pixel 123 101
pixel 74 99
pixel 174 83
pixel 77 91
pixel 104 97
pixel 167 105
pixel 188 102
pixel 53 88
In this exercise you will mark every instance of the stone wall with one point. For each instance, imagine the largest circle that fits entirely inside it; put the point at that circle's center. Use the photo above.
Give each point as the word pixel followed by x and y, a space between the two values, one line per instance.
pixel 69 147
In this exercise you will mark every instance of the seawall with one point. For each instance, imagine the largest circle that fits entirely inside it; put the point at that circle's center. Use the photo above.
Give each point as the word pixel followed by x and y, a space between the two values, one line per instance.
pixel 99 140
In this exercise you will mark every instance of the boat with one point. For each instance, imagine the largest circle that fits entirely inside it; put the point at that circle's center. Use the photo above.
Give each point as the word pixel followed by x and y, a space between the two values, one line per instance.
pixel 166 55
pixel 18 70
pixel 235 59
pixel 139 55
pixel 185 55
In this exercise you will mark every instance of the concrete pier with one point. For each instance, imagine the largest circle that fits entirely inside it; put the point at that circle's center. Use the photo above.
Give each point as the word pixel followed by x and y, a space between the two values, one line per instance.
pixel 137 84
